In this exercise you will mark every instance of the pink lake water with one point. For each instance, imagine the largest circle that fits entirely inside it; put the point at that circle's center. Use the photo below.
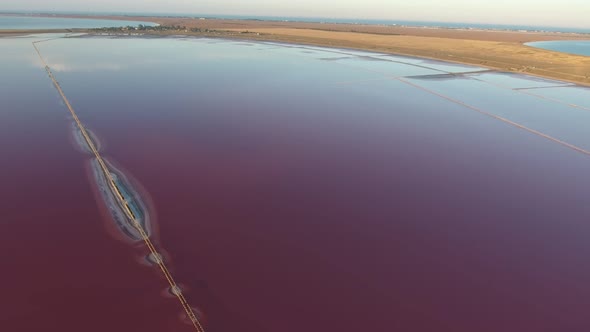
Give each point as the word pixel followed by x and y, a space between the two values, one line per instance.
pixel 292 189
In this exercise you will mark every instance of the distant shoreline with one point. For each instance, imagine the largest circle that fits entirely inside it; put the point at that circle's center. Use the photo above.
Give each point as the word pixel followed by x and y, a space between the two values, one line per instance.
pixel 499 50
pixel 322 20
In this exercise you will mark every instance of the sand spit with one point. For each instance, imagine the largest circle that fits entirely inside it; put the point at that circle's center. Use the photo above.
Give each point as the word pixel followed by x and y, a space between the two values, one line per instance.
pixel 80 142
pixel 154 258
pixel 112 204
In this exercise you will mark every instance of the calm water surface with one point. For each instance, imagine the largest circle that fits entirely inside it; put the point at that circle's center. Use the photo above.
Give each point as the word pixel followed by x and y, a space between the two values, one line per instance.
pixel 24 22
pixel 295 189
pixel 569 46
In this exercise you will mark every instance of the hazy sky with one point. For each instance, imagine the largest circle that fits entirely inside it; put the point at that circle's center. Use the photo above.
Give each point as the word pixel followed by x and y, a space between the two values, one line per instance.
pixel 572 13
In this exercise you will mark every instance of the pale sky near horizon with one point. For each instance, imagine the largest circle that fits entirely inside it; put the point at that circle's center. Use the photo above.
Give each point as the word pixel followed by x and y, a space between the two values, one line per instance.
pixel 564 13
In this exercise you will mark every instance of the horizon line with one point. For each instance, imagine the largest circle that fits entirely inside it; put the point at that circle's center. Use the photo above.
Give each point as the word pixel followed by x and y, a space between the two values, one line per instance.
pixel 278 17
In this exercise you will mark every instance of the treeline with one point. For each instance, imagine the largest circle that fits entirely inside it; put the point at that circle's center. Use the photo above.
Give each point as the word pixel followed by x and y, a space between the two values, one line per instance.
pixel 142 27
pixel 159 28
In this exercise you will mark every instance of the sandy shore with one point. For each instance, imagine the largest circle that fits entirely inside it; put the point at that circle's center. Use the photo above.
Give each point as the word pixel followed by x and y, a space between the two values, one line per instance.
pixel 501 50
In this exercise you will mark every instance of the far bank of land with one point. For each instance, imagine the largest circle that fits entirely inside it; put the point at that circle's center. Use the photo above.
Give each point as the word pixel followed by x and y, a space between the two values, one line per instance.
pixel 501 50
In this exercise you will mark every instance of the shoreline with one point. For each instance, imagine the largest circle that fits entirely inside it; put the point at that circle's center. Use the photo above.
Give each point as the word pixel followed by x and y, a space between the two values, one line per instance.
pixel 493 49
pixel 311 20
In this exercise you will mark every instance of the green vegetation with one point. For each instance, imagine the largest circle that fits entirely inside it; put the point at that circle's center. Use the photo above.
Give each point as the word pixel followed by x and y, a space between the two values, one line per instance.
pixel 171 30
pixel 143 28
